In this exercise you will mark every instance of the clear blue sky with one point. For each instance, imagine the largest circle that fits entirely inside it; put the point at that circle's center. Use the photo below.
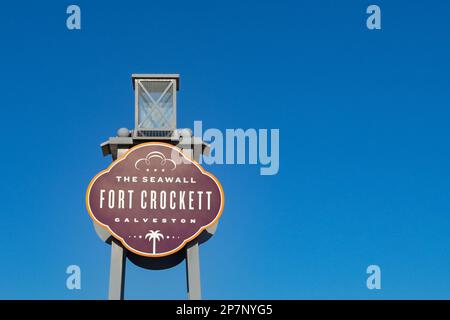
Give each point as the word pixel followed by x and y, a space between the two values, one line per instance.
pixel 364 123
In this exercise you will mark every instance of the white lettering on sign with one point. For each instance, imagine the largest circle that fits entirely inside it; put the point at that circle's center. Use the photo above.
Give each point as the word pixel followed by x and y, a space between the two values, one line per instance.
pixel 156 200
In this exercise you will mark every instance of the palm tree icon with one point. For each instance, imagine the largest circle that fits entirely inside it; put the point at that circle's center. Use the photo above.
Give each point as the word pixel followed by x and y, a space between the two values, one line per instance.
pixel 155 236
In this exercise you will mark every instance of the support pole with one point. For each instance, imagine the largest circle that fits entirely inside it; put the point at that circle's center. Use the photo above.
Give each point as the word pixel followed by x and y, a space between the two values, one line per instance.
pixel 117 271
pixel 193 271
pixel 118 260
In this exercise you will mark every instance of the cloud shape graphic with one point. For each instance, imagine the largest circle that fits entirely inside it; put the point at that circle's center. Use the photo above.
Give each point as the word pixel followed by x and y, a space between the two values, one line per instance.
pixel 155 155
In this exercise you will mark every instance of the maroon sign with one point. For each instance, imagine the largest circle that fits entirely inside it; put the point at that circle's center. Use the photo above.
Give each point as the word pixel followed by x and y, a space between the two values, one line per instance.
pixel 154 199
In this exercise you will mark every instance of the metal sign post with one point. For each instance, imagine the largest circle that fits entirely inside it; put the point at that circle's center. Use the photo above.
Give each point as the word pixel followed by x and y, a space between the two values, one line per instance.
pixel 118 262
pixel 193 271
pixel 117 271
